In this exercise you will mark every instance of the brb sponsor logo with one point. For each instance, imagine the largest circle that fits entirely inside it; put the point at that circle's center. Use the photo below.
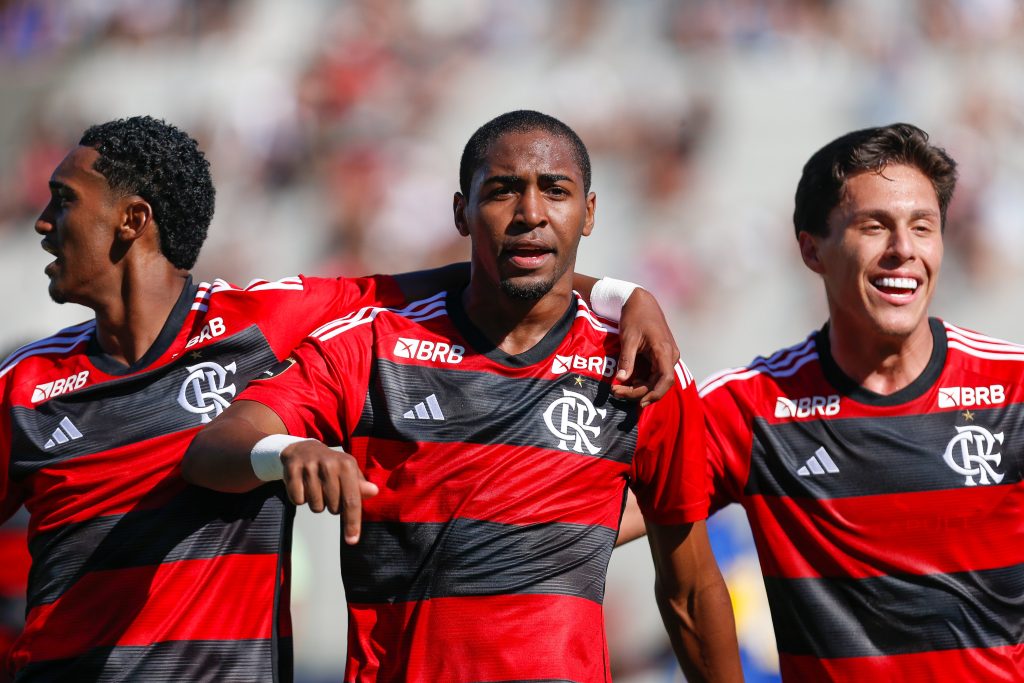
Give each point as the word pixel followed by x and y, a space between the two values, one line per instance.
pixel 599 365
pixel 206 391
pixel 571 419
pixel 61 386
pixel 807 406
pixel 972 454
pixel 424 349
pixel 214 328
pixel 968 397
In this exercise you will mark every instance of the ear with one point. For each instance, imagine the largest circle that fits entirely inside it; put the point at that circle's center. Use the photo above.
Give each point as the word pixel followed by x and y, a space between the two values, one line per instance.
pixel 809 245
pixel 137 219
pixel 459 209
pixel 588 225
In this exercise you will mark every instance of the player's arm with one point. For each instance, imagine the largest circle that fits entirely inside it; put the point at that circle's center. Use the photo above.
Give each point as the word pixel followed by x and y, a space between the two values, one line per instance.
pixel 632 525
pixel 644 331
pixel 694 602
pixel 234 454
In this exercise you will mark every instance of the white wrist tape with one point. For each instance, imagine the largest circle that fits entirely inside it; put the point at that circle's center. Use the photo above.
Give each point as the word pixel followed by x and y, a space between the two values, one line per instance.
pixel 265 456
pixel 609 295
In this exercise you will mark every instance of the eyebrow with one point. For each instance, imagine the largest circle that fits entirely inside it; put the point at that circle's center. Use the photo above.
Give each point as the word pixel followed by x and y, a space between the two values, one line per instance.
pixel 513 179
pixel 56 186
pixel 880 214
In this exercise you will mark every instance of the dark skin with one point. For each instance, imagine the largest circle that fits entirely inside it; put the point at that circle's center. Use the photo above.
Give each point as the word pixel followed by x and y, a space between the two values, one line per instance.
pixel 526 213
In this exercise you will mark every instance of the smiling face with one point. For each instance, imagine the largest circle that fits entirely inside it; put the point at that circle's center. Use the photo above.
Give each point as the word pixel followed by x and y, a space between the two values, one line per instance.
pixel 881 255
pixel 79 225
pixel 526 212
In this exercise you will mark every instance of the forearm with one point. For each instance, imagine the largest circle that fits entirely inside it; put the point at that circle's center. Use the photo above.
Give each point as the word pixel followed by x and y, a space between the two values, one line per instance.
pixel 701 628
pixel 219 456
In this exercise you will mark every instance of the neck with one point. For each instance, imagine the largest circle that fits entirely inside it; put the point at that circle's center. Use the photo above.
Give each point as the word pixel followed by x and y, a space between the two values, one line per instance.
pixel 514 325
pixel 130 320
pixel 882 365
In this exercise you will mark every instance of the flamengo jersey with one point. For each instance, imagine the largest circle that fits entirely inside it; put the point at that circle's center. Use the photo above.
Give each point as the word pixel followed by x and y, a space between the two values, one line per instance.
pixel 136 575
pixel 502 480
pixel 890 529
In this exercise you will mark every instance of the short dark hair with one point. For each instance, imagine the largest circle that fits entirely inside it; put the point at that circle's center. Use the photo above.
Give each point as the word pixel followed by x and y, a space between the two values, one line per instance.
pixel 519 121
pixel 163 165
pixel 872 149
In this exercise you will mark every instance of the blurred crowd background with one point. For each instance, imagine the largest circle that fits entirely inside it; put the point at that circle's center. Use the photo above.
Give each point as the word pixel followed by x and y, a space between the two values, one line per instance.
pixel 334 129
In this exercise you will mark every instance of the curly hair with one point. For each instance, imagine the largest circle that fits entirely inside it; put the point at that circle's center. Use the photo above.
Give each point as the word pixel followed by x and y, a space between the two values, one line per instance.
pixel 825 174
pixel 163 165
pixel 519 121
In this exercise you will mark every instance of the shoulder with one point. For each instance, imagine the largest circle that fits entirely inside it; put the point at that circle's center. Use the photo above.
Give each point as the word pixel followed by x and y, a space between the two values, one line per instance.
pixel 382 319
pixel 783 366
pixel 968 346
pixel 49 350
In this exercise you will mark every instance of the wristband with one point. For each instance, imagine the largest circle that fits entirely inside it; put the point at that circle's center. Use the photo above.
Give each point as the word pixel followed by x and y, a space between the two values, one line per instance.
pixel 609 295
pixel 265 456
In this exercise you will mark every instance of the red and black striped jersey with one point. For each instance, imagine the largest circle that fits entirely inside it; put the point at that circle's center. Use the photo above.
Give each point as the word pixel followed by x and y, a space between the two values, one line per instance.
pixel 14 565
pixel 136 575
pixel 502 480
pixel 890 529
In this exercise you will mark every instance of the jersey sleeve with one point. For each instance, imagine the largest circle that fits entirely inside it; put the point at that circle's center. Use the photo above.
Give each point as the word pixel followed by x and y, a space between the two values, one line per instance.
pixel 728 446
pixel 11 495
pixel 318 391
pixel 669 468
pixel 294 314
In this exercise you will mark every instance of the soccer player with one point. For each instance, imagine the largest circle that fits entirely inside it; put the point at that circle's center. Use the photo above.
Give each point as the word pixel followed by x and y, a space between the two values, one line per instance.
pixel 880 459
pixel 481 485
pixel 135 575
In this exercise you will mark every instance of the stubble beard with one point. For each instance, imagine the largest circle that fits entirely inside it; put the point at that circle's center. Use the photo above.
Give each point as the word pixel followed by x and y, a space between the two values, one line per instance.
pixel 526 291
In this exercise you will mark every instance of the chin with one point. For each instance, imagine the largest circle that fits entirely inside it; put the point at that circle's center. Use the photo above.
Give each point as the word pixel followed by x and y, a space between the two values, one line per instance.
pixel 526 289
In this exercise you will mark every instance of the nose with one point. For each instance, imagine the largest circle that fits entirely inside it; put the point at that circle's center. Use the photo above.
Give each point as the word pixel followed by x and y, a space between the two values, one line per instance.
pixel 44 223
pixel 901 243
pixel 530 209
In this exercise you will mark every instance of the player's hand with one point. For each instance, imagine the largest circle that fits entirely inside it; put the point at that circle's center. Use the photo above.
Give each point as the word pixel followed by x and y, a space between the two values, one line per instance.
pixel 326 478
pixel 644 331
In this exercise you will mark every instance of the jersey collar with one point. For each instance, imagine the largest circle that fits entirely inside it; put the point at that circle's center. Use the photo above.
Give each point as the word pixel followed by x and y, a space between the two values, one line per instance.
pixel 482 345
pixel 168 333
pixel 848 387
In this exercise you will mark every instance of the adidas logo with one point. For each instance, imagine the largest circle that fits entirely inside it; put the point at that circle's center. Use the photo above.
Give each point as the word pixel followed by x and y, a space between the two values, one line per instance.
pixel 63 433
pixel 819 463
pixel 427 409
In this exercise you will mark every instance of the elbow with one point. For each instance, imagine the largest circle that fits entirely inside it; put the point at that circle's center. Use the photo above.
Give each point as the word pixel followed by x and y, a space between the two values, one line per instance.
pixel 189 467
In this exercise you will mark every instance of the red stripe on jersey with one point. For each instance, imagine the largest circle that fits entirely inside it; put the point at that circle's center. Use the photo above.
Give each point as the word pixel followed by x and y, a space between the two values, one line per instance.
pixel 144 605
pixel 447 481
pixel 15 564
pixel 912 533
pixel 460 639
pixel 137 476
pixel 991 665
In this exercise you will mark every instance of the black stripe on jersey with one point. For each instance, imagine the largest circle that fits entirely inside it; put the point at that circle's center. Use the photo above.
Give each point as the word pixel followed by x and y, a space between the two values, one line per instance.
pixel 167 399
pixel 880 455
pixel 227 661
pixel 484 408
pixel 892 615
pixel 198 524
pixel 399 562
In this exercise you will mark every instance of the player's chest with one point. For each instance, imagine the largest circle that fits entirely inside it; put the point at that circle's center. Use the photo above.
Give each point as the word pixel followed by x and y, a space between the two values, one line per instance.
pixel 570 413
pixel 115 412
pixel 822 457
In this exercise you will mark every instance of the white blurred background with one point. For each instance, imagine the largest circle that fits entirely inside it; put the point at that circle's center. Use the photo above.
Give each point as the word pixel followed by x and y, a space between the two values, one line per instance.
pixel 335 127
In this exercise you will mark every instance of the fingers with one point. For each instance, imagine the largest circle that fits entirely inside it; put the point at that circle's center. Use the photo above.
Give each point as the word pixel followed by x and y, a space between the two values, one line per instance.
pixel 327 479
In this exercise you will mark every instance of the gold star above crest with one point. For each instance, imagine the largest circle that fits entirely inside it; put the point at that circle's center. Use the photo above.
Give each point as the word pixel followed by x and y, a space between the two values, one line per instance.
pixel 196 355
pixel 968 415
pixel 579 380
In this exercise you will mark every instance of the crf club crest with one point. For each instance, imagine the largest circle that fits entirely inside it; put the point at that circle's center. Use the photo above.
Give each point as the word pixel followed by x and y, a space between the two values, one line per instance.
pixel 571 419
pixel 208 389
pixel 972 453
